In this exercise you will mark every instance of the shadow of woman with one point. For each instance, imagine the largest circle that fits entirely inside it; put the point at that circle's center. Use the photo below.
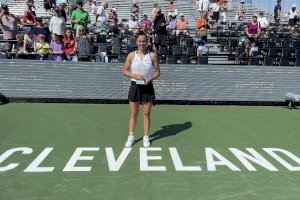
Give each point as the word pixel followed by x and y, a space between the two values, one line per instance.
pixel 169 130
pixel 3 99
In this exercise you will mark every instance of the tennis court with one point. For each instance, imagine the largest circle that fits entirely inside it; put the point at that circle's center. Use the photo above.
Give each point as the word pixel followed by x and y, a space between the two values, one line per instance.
pixel 188 131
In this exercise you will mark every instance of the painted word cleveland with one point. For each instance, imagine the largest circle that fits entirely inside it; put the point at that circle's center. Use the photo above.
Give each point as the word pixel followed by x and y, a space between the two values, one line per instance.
pixel 249 158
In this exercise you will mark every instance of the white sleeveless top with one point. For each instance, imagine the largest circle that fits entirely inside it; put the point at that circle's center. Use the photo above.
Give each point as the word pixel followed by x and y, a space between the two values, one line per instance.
pixel 142 65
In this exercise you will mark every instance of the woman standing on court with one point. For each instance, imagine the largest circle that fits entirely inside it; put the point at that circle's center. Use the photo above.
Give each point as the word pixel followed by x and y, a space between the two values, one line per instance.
pixel 142 67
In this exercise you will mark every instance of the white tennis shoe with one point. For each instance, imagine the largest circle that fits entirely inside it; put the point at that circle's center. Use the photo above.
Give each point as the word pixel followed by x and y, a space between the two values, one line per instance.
pixel 146 141
pixel 129 141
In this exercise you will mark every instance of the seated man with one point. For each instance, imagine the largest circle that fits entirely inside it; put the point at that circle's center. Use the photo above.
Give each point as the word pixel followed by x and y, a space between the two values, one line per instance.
pixel 145 24
pixel 181 26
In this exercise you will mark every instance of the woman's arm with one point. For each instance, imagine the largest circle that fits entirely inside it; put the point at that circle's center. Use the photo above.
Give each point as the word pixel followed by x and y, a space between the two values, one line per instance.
pixel 155 62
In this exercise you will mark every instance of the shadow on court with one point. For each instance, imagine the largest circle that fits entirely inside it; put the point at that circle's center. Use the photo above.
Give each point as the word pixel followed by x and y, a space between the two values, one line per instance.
pixel 3 99
pixel 169 130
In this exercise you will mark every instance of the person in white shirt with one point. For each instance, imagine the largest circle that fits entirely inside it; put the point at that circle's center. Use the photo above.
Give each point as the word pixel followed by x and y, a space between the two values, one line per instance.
pixel 94 7
pixel 133 24
pixel 100 16
pixel 203 5
pixel 263 22
pixel 57 24
pixel 215 10
pixel 293 17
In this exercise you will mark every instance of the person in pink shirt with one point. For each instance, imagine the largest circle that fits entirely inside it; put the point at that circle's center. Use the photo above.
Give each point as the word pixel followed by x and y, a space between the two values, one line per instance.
pixel 181 26
pixel 145 24
pixel 9 23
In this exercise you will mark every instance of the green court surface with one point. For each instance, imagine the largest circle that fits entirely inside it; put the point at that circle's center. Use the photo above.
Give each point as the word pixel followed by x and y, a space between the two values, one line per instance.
pixel 191 130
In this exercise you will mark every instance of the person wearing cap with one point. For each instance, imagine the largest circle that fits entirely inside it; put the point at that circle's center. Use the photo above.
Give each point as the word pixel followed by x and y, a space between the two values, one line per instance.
pixel 41 47
pixel 224 10
pixel 293 17
pixel 57 23
pixel 9 23
pixel 29 40
pixel 181 26
pixel 101 16
pixel 133 24
pixel 135 9
pixel 252 32
pixel 263 22
pixel 277 12
pixel 80 17
pixel 113 21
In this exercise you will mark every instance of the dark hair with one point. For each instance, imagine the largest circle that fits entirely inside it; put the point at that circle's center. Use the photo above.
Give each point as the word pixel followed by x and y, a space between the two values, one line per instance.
pixel 141 32
pixel 293 9
pixel 69 29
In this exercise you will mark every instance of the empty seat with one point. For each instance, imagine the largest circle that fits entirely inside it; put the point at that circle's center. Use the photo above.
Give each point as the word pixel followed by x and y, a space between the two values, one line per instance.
pixel 254 61
pixel 203 60
pixel 297 53
pixel 284 62
pixel 171 60
pixel 274 52
pixel 287 53
pixel 177 51
pixel 191 51
pixel 233 43
pixel 115 41
pixel 298 62
pixel 116 50
pixel 268 61
pixel 185 60
pixel 162 51
pixel 189 42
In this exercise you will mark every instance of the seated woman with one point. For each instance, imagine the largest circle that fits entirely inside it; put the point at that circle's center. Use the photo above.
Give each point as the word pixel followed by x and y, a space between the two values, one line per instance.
pixel 42 48
pixel 252 32
pixel 57 48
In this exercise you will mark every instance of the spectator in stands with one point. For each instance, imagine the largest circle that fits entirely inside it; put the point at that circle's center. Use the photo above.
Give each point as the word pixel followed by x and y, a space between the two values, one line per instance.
pixel 9 23
pixel 155 10
pixel 133 24
pixel 80 17
pixel 252 31
pixel 240 12
pixel 172 10
pixel 145 24
pixel 29 40
pixel 135 9
pixel 30 5
pixel 62 7
pixel 42 48
pixel 203 6
pixel 160 31
pixel 28 17
pixel 57 48
pixel 100 16
pixel 181 26
pixel 293 17
pixel 143 68
pixel 202 27
pixel 215 10
pixel 72 6
pixel 47 6
pixel 19 47
pixel 57 24
pixel 224 10
pixel 263 22
pixel 40 28
pixel 84 45
pixel 171 25
pixel 277 13
pixel 70 46
pixel 94 7
pixel 202 49
pixel 113 22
